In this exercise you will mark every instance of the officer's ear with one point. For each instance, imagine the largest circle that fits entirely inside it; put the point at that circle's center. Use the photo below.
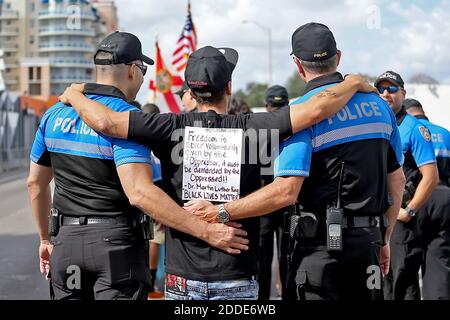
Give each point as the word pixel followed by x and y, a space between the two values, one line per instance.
pixel 228 88
pixel 300 69
pixel 339 54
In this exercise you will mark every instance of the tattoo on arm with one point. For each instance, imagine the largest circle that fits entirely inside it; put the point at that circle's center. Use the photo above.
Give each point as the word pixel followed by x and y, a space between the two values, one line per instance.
pixel 326 93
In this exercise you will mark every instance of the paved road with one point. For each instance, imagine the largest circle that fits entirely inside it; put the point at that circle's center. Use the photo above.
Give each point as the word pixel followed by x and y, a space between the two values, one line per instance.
pixel 19 264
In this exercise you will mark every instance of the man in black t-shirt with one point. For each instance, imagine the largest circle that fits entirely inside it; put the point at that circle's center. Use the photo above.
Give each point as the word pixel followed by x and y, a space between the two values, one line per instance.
pixel 192 264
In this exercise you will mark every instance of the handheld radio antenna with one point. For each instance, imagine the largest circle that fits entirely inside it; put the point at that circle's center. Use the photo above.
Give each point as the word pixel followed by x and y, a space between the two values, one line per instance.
pixel 341 172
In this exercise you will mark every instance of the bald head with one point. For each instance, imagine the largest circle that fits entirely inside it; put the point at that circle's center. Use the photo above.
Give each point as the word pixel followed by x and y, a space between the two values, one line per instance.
pixel 126 77
pixel 110 72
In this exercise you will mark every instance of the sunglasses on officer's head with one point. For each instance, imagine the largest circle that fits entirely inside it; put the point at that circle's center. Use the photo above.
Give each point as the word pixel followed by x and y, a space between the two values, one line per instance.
pixel 143 67
pixel 390 89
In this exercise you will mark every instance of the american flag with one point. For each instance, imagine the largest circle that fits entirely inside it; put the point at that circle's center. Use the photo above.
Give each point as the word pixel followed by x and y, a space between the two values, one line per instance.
pixel 187 43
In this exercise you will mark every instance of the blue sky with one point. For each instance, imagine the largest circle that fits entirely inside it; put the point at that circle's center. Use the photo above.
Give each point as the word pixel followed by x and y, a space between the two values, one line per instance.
pixel 409 37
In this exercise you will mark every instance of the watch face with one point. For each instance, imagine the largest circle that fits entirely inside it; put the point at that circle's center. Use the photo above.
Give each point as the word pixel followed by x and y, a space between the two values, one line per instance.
pixel 410 212
pixel 223 216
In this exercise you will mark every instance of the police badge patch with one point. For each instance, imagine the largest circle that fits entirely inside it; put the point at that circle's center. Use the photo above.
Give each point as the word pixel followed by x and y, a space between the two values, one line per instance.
pixel 425 133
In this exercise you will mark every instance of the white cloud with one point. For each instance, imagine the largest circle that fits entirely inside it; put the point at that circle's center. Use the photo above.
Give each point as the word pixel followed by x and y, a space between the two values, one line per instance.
pixel 412 37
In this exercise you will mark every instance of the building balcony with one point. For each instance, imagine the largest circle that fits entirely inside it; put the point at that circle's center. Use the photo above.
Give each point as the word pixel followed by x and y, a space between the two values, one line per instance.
pixel 9 65
pixel 8 48
pixel 65 31
pixel 11 15
pixel 11 81
pixel 65 46
pixel 75 63
pixel 7 32
pixel 64 14
pixel 71 79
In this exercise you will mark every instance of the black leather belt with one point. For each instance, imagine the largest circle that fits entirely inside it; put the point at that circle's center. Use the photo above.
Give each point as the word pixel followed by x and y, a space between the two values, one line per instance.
pixel 360 222
pixel 84 220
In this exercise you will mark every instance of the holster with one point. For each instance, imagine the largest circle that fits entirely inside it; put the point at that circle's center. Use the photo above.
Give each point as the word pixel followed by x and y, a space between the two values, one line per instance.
pixel 408 193
pixel 301 225
pixel 146 223
pixel 53 222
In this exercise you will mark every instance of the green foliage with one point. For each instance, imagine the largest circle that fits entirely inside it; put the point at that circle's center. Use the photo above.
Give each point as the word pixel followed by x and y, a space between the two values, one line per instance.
pixel 295 85
pixel 254 94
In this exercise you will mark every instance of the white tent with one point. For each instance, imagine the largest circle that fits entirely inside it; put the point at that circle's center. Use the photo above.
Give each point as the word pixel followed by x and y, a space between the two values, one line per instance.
pixel 435 100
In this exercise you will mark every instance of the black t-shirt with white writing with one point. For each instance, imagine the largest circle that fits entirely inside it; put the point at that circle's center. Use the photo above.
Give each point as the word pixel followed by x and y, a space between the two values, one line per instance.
pixel 187 256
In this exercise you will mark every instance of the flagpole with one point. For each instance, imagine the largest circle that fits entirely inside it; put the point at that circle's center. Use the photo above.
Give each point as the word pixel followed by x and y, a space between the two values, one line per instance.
pixel 156 45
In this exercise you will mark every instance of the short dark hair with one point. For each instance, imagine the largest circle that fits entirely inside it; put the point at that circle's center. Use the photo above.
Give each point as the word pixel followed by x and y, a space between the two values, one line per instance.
pixel 216 97
pixel 150 108
pixel 321 67
pixel 238 106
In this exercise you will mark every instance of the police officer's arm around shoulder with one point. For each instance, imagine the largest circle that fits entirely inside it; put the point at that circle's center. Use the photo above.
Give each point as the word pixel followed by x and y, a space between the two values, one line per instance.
pixel 327 102
pixel 40 199
pixel 136 179
pixel 116 124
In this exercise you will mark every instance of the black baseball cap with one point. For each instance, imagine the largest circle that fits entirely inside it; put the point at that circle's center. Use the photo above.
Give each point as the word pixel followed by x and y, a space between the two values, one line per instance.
pixel 183 89
pixel 277 96
pixel 124 47
pixel 313 42
pixel 392 77
pixel 209 69
pixel 409 103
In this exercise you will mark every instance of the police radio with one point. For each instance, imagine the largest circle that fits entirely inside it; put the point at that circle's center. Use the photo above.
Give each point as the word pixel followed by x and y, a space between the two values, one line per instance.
pixel 334 220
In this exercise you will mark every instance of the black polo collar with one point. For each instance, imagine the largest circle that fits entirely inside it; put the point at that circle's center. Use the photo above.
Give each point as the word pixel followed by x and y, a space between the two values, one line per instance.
pixel 103 90
pixel 315 83
pixel 400 116
pixel 421 116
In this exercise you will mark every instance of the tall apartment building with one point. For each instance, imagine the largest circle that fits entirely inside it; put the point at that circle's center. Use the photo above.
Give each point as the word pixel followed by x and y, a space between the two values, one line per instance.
pixel 49 44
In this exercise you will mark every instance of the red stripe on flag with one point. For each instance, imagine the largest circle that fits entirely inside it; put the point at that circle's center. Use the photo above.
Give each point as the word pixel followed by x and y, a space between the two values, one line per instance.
pixel 177 50
pixel 152 85
pixel 171 102
pixel 180 68
pixel 177 81
pixel 174 62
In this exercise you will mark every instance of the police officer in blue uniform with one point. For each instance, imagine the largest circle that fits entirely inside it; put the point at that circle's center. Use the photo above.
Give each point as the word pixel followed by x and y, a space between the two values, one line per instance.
pixel 421 173
pixel 439 136
pixel 434 216
pixel 99 248
pixel 353 161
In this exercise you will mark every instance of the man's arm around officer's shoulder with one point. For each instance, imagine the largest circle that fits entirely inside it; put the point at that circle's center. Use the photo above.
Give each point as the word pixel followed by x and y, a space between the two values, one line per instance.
pixel 321 106
pixel 327 102
pixel 136 180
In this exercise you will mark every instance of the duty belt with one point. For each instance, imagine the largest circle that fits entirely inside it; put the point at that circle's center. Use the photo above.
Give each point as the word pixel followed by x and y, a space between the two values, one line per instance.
pixel 360 222
pixel 84 220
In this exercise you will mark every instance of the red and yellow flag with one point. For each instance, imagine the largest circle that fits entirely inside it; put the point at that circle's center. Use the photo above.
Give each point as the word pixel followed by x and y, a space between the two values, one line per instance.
pixel 163 85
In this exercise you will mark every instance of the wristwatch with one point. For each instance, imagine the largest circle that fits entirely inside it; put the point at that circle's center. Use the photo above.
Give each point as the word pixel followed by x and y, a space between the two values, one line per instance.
pixel 411 213
pixel 223 216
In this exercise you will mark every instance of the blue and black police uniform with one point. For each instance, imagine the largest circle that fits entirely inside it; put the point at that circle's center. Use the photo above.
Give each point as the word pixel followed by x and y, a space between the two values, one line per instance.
pixel 440 138
pixel 365 137
pixel 99 230
pixel 402 282
pixel 434 221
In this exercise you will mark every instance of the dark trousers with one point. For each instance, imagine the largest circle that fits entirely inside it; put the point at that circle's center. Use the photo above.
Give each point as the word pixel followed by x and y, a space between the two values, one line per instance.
pixel 402 282
pixel 271 224
pixel 99 261
pixel 353 274
pixel 434 220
